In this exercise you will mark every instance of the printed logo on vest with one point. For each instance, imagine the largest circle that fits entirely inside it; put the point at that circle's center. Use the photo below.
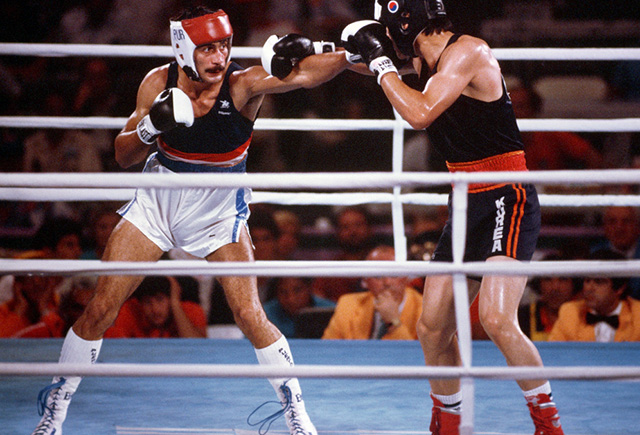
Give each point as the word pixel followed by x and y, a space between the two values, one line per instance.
pixel 224 105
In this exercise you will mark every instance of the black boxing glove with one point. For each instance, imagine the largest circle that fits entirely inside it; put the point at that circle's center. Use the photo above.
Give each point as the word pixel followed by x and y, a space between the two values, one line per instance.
pixel 280 55
pixel 171 108
pixel 368 39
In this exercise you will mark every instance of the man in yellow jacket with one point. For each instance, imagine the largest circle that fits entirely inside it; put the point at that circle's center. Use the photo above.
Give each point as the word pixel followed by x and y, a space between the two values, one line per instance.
pixel 388 310
pixel 605 314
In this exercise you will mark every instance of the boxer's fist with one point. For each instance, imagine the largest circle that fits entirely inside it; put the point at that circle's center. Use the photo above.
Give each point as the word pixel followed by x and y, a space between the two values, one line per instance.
pixel 280 55
pixel 171 108
pixel 369 40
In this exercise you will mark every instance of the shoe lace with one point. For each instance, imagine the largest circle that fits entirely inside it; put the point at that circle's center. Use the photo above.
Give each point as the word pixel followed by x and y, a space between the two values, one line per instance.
pixel 43 427
pixel 296 424
pixel 43 395
pixel 284 408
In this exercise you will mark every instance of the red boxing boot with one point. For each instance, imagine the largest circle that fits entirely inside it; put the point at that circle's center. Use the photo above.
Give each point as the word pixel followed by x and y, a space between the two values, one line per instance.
pixel 545 415
pixel 444 421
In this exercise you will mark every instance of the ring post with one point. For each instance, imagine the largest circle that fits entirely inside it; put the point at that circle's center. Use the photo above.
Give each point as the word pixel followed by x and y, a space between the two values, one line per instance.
pixel 397 215
pixel 461 300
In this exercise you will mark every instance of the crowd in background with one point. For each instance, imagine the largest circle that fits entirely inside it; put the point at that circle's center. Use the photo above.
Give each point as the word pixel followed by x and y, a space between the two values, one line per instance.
pixel 96 86
pixel 309 307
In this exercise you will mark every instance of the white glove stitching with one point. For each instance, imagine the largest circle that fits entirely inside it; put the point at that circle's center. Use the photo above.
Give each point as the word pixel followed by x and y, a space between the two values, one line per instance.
pixel 381 66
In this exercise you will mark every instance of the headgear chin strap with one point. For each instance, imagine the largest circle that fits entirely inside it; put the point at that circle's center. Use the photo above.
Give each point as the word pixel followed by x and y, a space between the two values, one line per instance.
pixel 406 19
pixel 187 35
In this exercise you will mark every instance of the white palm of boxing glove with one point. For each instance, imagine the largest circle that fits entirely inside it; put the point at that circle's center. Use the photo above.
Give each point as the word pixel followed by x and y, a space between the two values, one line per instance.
pixel 367 41
pixel 171 108
pixel 349 48
pixel 280 55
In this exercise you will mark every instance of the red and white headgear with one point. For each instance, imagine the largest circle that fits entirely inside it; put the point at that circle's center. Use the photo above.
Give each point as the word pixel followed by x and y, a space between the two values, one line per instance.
pixel 188 34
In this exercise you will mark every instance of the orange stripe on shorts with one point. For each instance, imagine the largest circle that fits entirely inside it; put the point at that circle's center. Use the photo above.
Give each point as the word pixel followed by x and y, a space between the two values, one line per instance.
pixel 516 220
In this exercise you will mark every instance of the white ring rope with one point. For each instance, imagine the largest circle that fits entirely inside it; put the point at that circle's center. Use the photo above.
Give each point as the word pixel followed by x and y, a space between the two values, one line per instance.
pixel 307 198
pixel 261 123
pixel 316 371
pixel 577 268
pixel 316 180
pixel 590 125
pixel 93 50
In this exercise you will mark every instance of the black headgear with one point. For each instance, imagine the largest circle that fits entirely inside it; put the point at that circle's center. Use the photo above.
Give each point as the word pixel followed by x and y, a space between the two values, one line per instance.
pixel 405 19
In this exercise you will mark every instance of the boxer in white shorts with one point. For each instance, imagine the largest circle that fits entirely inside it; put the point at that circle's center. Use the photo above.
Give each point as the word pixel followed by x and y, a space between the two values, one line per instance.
pixel 199 111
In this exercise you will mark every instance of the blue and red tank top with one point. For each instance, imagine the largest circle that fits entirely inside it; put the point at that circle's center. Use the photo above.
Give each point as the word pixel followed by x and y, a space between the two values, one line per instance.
pixel 216 142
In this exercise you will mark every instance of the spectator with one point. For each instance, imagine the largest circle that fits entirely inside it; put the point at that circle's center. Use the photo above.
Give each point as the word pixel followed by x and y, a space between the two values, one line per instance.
pixel 605 314
pixel 289 227
pixel 157 311
pixel 292 294
pixel 264 235
pixel 60 239
pixel 538 317
pixel 621 227
pixel 388 310
pixel 103 222
pixel 95 96
pixel 60 150
pixel 33 297
pixel 354 235
pixel 551 150
pixel 56 323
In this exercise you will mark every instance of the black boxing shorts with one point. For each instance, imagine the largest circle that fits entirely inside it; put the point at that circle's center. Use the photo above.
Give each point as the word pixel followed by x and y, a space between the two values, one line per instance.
pixel 502 221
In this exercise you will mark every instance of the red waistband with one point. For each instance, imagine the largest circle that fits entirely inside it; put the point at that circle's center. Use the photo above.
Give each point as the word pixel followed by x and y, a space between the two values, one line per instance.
pixel 513 161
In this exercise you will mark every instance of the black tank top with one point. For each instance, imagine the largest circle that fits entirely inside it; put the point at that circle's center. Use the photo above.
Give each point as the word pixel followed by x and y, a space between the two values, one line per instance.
pixel 471 129
pixel 219 139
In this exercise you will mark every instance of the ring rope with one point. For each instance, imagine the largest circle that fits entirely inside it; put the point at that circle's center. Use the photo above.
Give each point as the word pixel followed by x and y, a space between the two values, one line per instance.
pixel 316 371
pixel 619 125
pixel 578 268
pixel 307 198
pixel 315 180
pixel 102 50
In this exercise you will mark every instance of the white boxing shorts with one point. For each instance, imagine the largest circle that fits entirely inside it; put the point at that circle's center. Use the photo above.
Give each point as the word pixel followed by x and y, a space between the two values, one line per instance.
pixel 197 220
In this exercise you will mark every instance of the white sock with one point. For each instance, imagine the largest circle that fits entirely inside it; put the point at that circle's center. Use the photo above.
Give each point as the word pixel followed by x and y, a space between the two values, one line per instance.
pixel 452 401
pixel 76 350
pixel 279 353
pixel 542 389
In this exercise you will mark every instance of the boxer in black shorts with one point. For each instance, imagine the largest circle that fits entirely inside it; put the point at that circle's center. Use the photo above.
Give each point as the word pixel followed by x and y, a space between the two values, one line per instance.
pixel 463 104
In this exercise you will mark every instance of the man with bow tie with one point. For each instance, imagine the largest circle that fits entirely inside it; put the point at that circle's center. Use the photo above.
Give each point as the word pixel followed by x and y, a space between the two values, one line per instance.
pixel 605 314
